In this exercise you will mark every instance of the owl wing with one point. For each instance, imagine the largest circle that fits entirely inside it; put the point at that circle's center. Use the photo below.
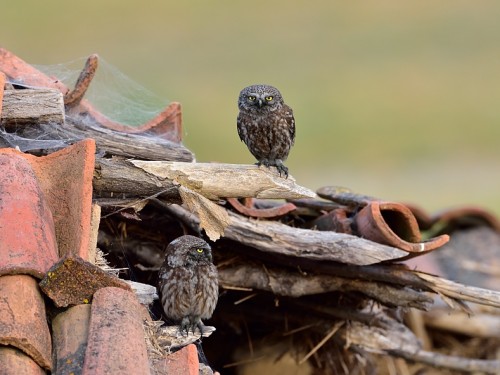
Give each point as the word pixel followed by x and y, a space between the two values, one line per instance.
pixel 176 291
pixel 290 120
pixel 241 128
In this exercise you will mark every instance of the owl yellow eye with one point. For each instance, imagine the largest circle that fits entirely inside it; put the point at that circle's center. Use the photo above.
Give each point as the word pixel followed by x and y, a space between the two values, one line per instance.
pixel 251 98
pixel 269 98
pixel 199 251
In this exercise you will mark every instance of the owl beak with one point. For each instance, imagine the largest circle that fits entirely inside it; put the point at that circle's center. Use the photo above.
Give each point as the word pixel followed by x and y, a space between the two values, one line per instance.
pixel 260 103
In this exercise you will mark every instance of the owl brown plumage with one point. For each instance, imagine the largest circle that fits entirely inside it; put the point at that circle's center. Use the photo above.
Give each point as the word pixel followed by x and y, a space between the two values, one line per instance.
pixel 266 125
pixel 188 282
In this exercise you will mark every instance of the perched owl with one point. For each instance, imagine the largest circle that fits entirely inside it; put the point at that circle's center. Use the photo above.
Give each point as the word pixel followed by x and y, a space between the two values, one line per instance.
pixel 188 282
pixel 266 125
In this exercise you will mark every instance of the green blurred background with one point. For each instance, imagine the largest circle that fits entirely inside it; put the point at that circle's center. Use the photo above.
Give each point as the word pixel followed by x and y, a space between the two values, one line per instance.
pixel 399 100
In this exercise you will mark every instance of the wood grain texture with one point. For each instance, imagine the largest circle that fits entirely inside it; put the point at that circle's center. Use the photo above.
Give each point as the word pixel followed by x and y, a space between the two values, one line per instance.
pixel 32 107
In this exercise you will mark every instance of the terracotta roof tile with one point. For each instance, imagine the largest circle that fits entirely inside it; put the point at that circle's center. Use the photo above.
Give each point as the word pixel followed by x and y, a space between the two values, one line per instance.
pixel 70 333
pixel 15 362
pixel 23 323
pixel 27 237
pixel 182 362
pixel 116 343
pixel 66 179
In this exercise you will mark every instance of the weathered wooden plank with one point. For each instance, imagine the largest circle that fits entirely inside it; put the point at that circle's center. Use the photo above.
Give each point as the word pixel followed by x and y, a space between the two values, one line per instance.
pixel 218 180
pixel 278 238
pixel 284 282
pixel 137 178
pixel 33 106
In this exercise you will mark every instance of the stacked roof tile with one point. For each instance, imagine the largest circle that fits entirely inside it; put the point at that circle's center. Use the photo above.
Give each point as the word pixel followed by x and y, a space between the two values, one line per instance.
pixel 45 215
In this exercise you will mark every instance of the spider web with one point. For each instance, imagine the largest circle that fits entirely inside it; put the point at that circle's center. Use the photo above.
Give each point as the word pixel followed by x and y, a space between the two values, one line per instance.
pixel 113 93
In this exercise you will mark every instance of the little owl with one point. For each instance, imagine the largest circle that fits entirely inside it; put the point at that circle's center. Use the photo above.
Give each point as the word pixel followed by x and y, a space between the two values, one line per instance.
pixel 266 125
pixel 188 283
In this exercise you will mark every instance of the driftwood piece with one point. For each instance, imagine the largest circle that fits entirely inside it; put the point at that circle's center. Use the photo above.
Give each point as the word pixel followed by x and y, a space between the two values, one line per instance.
pixel 215 181
pixel 300 244
pixel 22 107
pixel 122 179
pixel 481 324
pixel 461 292
pixel 275 237
pixel 294 284
pixel 386 334
pixel 111 142
pixel 134 178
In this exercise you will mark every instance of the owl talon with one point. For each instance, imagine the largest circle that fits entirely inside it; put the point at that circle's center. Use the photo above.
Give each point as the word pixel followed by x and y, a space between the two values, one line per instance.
pixel 200 326
pixel 184 327
pixel 277 163
pixel 281 168
pixel 190 325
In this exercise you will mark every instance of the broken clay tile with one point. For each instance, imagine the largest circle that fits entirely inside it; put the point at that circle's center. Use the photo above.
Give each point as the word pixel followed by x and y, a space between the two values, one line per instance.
pixel 336 220
pixel 21 73
pixel 73 281
pixel 70 333
pixel 116 342
pixel 248 208
pixel 182 362
pixel 15 362
pixel 27 237
pixel 393 224
pixel 465 217
pixel 23 323
pixel 65 177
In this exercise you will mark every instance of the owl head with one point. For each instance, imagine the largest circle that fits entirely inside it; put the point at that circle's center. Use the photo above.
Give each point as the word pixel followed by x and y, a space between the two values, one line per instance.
pixel 260 98
pixel 188 251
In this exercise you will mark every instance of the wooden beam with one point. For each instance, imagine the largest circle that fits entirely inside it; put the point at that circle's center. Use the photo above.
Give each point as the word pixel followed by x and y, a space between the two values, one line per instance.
pixel 24 107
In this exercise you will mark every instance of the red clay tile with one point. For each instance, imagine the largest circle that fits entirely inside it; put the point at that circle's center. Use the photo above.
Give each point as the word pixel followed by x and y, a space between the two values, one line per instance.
pixel 393 224
pixel 23 73
pixel 27 237
pixel 73 281
pixel 66 179
pixel 23 323
pixel 116 343
pixel 70 333
pixel 182 362
pixel 15 362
